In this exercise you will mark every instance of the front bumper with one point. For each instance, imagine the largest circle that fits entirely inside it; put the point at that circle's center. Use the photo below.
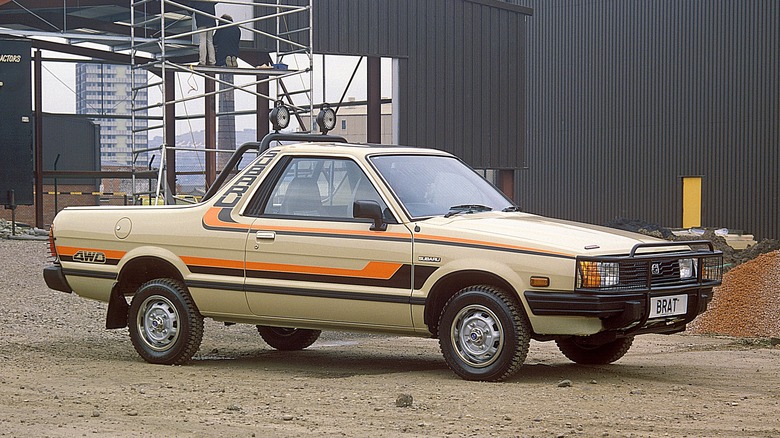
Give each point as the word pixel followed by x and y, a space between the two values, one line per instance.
pixel 628 310
pixel 55 278
pixel 619 289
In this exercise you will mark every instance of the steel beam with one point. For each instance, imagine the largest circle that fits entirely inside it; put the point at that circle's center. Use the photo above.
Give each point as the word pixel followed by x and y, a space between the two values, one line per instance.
pixel 374 121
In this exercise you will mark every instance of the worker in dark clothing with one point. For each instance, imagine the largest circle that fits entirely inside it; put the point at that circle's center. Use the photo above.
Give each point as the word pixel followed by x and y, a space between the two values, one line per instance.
pixel 203 22
pixel 226 41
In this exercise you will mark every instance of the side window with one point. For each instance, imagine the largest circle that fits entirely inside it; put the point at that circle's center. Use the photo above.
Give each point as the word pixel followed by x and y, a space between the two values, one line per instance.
pixel 320 187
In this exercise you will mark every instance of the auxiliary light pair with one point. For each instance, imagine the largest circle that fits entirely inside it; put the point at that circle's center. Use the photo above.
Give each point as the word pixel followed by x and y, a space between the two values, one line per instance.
pixel 280 117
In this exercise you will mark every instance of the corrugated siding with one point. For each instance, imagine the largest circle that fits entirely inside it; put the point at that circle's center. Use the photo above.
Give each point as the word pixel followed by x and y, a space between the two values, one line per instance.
pixel 17 162
pixel 462 68
pixel 624 98
pixel 463 86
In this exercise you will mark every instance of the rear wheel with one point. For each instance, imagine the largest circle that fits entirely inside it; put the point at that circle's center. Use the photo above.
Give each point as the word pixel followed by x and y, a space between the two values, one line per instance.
pixel 578 350
pixel 288 339
pixel 165 326
pixel 483 334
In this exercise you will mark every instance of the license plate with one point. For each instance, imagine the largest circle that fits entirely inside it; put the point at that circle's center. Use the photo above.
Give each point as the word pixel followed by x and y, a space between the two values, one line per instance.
pixel 668 306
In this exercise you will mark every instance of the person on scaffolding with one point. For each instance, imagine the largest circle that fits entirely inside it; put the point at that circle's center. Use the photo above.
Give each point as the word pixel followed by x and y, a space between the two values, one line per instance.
pixel 226 41
pixel 205 24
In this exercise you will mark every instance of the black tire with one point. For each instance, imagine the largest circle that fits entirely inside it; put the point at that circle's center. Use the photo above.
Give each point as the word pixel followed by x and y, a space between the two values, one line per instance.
pixel 165 325
pixel 483 334
pixel 578 350
pixel 288 339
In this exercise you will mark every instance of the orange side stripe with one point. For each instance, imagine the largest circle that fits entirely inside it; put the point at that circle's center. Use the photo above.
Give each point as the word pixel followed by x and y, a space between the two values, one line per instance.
pixel 375 270
pixel 211 218
pixel 70 251
pixel 213 263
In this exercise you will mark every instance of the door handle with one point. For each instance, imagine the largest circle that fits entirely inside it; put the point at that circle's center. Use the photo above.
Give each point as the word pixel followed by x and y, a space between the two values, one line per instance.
pixel 265 235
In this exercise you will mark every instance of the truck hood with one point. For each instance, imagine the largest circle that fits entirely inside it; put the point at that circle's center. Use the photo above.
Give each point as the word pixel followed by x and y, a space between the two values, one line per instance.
pixel 541 232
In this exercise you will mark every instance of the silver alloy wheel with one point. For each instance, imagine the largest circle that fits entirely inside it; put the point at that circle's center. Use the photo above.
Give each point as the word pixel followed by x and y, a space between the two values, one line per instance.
pixel 477 335
pixel 158 323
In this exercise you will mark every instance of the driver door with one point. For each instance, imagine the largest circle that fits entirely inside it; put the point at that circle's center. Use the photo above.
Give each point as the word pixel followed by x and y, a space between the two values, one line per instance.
pixel 308 259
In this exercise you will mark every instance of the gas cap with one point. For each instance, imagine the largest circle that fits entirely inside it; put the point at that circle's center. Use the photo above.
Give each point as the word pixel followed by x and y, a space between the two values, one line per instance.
pixel 123 228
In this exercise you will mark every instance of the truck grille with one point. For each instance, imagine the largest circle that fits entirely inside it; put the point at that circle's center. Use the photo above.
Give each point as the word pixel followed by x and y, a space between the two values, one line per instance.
pixel 650 271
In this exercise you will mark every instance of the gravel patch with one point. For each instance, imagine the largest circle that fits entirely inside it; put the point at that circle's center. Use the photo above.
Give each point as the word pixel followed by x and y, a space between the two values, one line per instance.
pixel 747 304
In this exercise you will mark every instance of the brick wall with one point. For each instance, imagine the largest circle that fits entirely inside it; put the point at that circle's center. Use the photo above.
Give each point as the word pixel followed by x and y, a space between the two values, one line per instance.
pixel 26 213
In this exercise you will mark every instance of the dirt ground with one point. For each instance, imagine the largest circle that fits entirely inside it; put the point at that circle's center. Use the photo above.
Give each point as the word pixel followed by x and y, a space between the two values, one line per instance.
pixel 63 374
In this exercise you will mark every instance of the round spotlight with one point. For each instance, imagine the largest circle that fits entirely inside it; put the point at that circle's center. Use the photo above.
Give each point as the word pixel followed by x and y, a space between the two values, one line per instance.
pixel 326 119
pixel 279 116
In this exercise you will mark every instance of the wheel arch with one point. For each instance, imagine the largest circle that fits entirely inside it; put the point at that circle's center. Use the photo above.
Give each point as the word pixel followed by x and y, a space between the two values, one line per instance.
pixel 132 275
pixel 450 284
pixel 141 269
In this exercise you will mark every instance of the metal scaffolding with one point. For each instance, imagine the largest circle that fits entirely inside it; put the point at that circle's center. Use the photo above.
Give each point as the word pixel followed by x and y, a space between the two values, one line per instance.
pixel 160 42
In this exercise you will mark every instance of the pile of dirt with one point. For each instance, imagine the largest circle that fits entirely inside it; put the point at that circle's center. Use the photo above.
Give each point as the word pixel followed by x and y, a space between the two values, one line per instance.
pixel 747 304
pixel 731 257
pixel 642 227
pixel 735 257
pixel 748 301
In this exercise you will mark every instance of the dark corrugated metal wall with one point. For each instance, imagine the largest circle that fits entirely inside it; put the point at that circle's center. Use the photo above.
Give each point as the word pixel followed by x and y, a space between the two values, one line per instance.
pixel 464 80
pixel 18 158
pixel 461 69
pixel 626 97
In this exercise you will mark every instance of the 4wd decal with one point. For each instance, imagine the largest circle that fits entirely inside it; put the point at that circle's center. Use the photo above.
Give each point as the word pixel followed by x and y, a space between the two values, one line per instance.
pixel 89 257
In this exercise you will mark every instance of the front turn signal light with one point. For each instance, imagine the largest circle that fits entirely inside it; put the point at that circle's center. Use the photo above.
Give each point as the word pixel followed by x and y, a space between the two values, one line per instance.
pixel 540 282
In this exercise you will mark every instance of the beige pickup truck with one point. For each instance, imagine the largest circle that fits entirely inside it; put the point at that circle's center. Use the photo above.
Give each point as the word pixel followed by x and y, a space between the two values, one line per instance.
pixel 324 235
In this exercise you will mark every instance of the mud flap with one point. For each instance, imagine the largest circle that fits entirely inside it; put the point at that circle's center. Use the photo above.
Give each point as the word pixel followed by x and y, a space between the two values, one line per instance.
pixel 117 309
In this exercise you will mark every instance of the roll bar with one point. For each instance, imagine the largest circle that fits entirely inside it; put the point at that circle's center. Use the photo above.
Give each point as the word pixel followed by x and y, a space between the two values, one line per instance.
pixel 263 145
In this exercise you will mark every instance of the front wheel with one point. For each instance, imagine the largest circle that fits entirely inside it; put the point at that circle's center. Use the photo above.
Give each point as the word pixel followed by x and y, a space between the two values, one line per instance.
pixel 288 339
pixel 165 325
pixel 483 334
pixel 578 350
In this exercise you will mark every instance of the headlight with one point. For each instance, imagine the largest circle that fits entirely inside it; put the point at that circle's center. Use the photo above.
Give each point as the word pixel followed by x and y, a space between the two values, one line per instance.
pixel 687 268
pixel 599 274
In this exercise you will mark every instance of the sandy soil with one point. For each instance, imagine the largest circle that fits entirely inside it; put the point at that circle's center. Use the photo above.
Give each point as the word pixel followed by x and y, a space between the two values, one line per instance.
pixel 63 374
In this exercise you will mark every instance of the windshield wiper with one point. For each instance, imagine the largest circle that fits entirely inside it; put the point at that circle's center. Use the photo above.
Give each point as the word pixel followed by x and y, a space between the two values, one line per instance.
pixel 512 208
pixel 467 208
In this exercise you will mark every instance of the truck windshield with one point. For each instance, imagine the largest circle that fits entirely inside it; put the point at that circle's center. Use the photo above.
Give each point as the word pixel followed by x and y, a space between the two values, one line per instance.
pixel 432 185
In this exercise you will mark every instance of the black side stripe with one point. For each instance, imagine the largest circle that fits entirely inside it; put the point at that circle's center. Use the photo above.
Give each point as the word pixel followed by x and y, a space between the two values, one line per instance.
pixel 111 262
pixel 495 248
pixel 377 237
pixel 230 230
pixel 358 296
pixel 224 216
pixel 400 280
pixel 308 293
pixel 89 274
pixel 422 274
pixel 215 285
pixel 210 270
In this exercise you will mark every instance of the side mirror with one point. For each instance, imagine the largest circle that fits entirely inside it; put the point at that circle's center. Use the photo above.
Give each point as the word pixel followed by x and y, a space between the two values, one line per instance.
pixel 370 210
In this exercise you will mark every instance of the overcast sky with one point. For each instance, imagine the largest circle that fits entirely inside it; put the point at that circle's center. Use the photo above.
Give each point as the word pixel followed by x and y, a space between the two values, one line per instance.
pixel 59 87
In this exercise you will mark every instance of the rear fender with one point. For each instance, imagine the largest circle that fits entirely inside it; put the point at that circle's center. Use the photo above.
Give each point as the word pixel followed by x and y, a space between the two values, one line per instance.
pixel 136 268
